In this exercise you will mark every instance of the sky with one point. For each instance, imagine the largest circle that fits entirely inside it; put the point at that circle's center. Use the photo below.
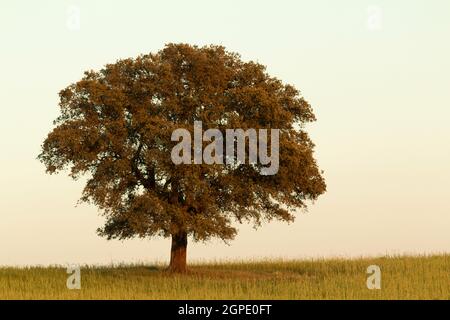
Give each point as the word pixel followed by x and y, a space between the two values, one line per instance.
pixel 376 73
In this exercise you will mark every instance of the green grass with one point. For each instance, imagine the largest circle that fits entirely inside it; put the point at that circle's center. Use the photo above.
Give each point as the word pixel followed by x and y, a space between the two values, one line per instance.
pixel 403 277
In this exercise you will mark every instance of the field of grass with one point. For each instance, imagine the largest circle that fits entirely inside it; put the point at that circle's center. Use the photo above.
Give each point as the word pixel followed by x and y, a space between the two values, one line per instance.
pixel 426 277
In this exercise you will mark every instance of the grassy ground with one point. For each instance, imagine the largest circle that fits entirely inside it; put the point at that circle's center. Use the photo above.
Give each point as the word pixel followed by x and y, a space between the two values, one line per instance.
pixel 401 278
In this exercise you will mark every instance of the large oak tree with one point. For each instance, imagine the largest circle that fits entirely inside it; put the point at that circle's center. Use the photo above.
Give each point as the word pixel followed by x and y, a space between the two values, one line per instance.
pixel 115 127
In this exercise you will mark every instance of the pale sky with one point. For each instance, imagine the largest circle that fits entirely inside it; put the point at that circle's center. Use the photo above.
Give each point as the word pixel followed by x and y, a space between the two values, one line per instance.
pixel 377 74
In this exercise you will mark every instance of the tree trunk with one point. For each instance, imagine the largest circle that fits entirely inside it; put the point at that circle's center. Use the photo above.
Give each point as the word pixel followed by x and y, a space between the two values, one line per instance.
pixel 178 253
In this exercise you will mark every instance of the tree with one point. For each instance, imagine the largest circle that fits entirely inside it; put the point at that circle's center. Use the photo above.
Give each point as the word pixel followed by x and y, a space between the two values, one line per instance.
pixel 115 126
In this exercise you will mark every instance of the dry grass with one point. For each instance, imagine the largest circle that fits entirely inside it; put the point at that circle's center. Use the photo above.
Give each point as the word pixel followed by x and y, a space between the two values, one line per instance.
pixel 422 277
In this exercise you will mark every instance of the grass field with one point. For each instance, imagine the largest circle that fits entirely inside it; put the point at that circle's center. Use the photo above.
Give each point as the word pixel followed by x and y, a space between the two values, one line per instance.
pixel 426 277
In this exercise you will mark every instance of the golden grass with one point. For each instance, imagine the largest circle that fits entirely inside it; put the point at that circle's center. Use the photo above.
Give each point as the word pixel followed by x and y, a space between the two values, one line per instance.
pixel 403 277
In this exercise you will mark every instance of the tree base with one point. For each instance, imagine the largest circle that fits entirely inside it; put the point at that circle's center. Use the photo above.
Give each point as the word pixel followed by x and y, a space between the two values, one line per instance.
pixel 171 269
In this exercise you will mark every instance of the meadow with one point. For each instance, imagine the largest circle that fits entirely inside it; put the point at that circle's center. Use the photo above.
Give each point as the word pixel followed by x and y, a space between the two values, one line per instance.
pixel 402 277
